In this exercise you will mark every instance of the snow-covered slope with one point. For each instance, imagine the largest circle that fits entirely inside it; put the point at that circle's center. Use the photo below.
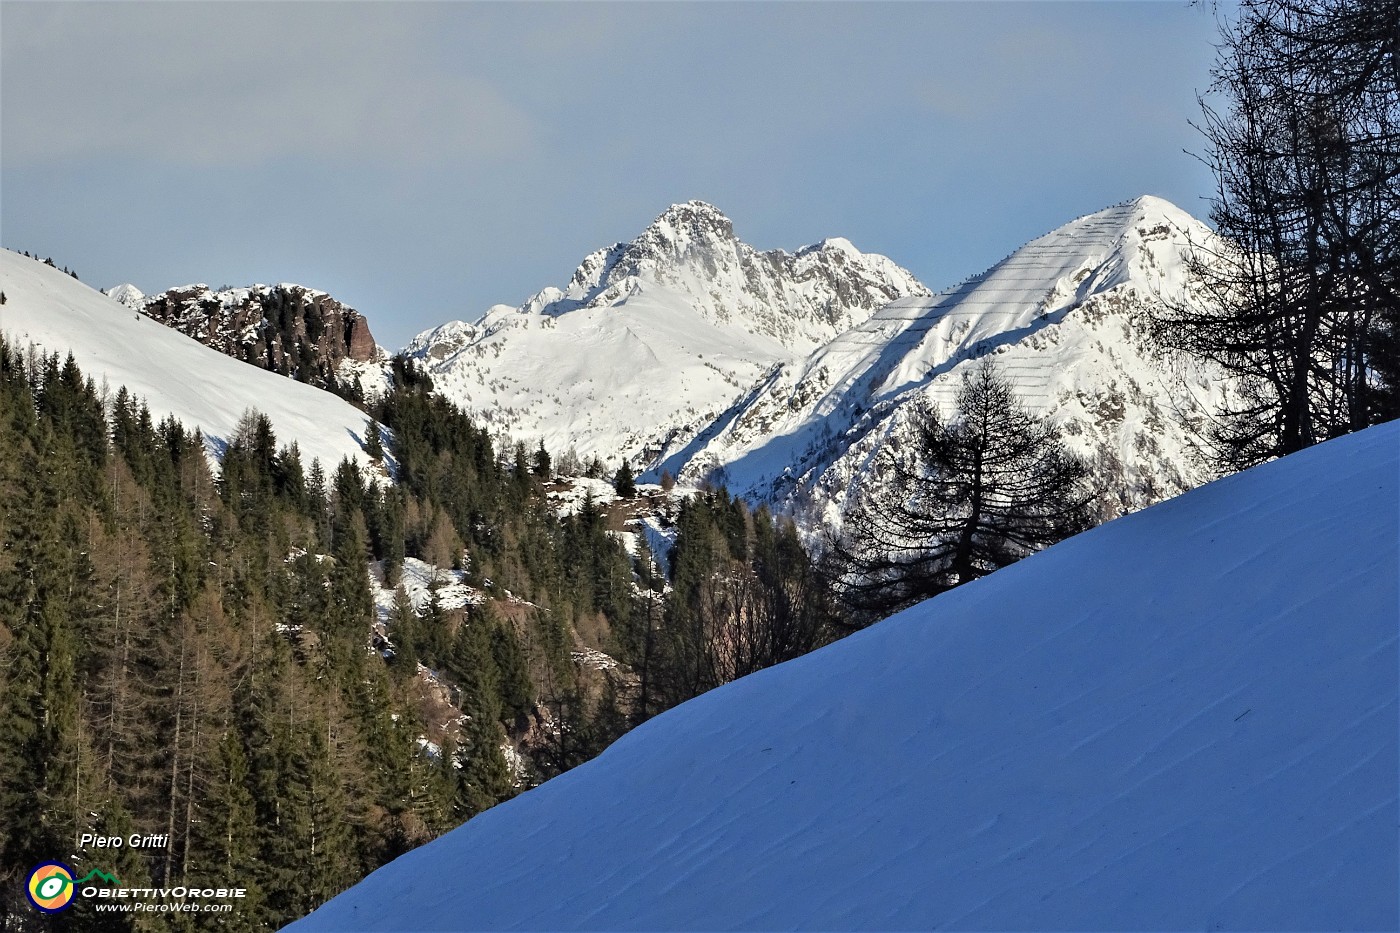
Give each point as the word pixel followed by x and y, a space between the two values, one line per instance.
pixel 1184 719
pixel 1064 317
pixel 652 339
pixel 175 374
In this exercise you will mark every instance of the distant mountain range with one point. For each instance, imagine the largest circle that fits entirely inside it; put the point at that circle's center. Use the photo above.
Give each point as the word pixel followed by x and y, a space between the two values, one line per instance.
pixel 779 374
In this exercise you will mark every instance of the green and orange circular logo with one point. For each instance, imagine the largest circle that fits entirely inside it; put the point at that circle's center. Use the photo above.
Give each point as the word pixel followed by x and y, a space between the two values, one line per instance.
pixel 50 887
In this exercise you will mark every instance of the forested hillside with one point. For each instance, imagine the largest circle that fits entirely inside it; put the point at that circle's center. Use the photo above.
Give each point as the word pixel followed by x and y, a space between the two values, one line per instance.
pixel 195 652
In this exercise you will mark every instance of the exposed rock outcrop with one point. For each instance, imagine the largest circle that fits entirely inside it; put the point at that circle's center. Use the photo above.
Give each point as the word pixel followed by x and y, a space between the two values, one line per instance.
pixel 290 329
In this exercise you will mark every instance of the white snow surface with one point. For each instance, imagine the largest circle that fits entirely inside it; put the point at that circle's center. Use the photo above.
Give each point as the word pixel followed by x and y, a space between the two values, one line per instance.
pixel 1183 719
pixel 416 579
pixel 174 374
pixel 578 490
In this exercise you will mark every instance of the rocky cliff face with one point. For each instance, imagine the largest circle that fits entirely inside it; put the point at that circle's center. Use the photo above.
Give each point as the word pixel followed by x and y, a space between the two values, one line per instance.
pixel 292 330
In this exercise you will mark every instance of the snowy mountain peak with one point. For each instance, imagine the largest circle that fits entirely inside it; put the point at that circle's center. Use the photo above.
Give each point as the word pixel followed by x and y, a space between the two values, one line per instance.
pixel 684 227
pixel 692 252
pixel 693 211
pixel 835 244
pixel 447 338
pixel 684 234
pixel 653 338
pixel 127 294
pixel 1150 205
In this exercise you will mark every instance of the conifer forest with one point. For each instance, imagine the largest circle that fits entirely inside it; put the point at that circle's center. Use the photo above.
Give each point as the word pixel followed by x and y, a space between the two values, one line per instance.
pixel 193 654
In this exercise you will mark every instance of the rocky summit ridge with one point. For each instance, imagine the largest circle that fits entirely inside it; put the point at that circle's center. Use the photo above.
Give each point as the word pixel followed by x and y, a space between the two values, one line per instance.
pixel 800 299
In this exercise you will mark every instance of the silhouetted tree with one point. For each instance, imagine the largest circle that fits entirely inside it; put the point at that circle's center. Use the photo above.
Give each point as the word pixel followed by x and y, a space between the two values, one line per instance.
pixel 1300 298
pixel 975 493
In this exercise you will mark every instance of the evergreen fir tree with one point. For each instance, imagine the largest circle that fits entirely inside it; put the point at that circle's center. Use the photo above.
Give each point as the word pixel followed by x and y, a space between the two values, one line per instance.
pixel 624 482
pixel 315 819
pixel 541 467
pixel 403 632
pixel 373 446
pixel 514 687
pixel 352 606
pixel 227 831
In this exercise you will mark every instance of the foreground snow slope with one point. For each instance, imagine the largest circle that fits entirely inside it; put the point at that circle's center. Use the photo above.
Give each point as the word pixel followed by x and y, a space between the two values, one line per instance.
pixel 175 374
pixel 1185 719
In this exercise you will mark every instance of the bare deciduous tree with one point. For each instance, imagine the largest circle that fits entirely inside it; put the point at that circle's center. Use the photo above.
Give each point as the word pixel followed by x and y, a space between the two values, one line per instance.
pixel 1300 299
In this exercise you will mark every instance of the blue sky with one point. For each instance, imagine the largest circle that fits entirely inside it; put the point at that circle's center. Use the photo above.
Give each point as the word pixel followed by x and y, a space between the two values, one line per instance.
pixel 423 161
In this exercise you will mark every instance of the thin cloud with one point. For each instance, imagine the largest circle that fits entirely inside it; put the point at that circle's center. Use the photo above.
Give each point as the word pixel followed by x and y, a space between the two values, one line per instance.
pixel 219 85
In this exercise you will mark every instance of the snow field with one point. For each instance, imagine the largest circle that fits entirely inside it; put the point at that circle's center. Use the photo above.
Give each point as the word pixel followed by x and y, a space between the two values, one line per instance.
pixel 416 578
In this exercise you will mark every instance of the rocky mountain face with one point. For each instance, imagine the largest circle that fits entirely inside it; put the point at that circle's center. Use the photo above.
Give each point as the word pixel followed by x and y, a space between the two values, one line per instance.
pixel 801 300
pixel 651 340
pixel 288 329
